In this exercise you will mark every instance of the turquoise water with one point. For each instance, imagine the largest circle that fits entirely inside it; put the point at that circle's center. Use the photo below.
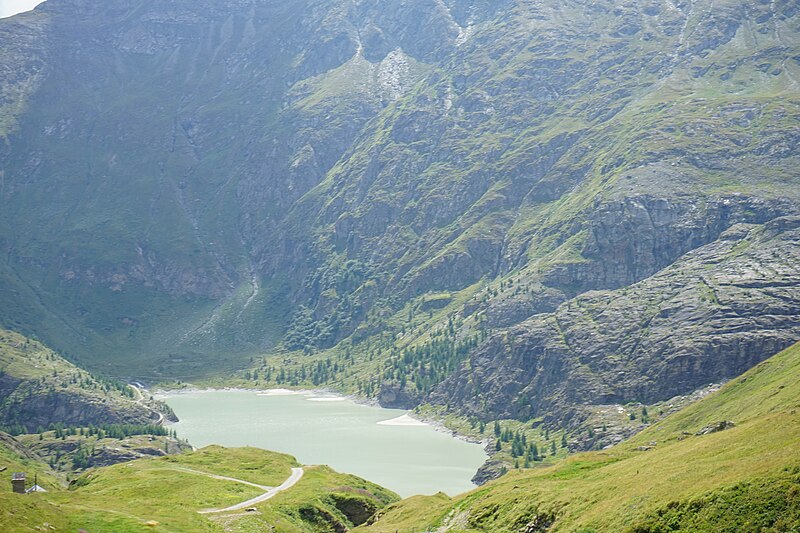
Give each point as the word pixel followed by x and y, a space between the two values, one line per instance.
pixel 345 435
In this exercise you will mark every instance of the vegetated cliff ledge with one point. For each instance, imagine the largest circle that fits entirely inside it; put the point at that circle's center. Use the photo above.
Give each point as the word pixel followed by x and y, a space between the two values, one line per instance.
pixel 616 242
pixel 714 313
pixel 39 388
pixel 76 450
pixel 613 243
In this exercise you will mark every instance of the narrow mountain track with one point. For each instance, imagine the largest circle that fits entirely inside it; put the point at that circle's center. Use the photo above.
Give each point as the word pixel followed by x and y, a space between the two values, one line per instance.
pixel 138 388
pixel 291 481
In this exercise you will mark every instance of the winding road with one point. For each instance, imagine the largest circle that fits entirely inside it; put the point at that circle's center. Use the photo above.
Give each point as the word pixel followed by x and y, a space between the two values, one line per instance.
pixel 290 482
pixel 138 387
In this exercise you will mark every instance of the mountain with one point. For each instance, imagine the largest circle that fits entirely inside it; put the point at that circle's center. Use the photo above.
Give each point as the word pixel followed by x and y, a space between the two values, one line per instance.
pixel 726 463
pixel 399 200
pixel 39 389
pixel 708 317
pixel 554 216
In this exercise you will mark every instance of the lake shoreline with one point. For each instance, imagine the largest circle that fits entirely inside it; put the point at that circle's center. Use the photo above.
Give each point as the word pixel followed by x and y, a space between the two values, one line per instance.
pixel 338 415
pixel 321 394
pixel 436 423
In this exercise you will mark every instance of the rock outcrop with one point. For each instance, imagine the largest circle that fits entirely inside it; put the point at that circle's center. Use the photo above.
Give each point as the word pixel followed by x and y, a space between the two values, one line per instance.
pixel 714 313
pixel 38 388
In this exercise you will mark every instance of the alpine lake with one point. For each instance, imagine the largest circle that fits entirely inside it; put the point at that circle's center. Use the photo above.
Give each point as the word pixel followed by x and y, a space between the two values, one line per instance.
pixel 385 446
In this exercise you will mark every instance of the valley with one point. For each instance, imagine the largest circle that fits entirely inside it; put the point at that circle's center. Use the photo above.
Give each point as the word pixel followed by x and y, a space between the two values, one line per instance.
pixel 725 463
pixel 569 231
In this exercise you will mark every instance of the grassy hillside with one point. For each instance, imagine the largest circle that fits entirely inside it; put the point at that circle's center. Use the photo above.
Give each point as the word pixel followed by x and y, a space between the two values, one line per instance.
pixel 38 388
pixel 671 477
pixel 31 511
pixel 168 492
pixel 323 500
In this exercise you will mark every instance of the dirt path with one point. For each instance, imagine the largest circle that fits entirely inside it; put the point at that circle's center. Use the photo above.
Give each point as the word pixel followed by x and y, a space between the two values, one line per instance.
pixel 223 478
pixel 138 387
pixel 290 482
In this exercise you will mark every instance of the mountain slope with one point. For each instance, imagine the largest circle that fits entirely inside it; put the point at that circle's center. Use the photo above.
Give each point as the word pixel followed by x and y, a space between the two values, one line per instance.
pixel 184 135
pixel 708 317
pixel 536 148
pixel 682 474
pixel 39 388
pixel 201 182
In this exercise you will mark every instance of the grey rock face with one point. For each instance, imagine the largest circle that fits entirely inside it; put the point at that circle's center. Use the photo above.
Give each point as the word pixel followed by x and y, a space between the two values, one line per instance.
pixel 628 240
pixel 714 313
pixel 714 428
pixel 633 238
pixel 394 396
pixel 491 469
pixel 40 409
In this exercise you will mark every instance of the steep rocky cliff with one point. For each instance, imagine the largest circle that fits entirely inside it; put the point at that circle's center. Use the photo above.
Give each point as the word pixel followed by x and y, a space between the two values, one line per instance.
pixel 708 317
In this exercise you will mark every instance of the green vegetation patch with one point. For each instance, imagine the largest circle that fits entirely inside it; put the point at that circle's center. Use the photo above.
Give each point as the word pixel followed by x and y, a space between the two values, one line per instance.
pixel 768 504
pixel 681 474
pixel 323 500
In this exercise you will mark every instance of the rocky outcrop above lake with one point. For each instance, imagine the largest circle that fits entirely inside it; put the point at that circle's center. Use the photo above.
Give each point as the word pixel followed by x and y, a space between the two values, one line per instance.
pixel 39 389
pixel 36 409
pixel 715 312
pixel 75 453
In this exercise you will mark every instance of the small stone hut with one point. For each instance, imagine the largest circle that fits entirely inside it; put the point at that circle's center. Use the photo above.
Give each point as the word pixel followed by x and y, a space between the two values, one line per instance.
pixel 18 482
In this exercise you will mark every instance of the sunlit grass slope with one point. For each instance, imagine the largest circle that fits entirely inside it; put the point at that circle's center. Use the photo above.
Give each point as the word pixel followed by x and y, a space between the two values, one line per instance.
pixel 170 490
pixel 668 478
pixel 124 497
pixel 30 510
pixel 167 493
pixel 322 501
